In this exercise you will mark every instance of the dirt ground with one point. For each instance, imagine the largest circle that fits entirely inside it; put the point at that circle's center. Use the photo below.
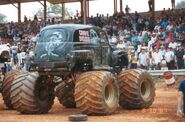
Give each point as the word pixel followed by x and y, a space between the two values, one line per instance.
pixel 162 110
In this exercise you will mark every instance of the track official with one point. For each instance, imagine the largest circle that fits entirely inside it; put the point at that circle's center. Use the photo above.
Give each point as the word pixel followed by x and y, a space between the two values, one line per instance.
pixel 181 99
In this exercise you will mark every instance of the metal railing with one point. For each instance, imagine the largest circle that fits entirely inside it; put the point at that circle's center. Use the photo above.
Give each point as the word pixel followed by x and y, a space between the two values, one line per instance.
pixel 180 72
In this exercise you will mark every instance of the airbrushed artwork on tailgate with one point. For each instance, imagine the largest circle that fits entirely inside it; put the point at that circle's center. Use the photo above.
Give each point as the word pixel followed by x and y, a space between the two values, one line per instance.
pixel 53 41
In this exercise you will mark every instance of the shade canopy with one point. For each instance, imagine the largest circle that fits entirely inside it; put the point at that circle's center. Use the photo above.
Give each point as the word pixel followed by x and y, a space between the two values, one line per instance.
pixel 4 2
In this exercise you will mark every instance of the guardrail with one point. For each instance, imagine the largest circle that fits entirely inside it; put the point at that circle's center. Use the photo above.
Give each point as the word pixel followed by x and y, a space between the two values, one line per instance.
pixel 180 72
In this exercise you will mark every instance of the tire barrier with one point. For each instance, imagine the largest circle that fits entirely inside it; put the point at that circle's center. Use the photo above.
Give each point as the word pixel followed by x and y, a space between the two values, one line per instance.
pixel 169 78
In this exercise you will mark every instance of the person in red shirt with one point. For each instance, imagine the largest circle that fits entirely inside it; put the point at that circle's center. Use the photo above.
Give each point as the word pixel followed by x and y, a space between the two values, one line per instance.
pixel 158 42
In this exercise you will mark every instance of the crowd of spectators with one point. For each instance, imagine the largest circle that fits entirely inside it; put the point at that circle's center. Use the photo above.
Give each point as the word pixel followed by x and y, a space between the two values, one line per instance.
pixel 20 38
pixel 150 44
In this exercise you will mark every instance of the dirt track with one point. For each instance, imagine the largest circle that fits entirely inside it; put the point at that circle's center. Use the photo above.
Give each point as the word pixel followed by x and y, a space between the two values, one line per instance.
pixel 163 110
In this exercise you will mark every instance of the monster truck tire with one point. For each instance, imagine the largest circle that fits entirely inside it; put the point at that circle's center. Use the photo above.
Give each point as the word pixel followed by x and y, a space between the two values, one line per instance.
pixel 30 96
pixel 137 89
pixel 6 87
pixel 96 93
pixel 65 94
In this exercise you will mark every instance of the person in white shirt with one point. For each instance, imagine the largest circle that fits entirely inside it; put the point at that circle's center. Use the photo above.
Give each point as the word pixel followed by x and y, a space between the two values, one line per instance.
pixel 139 46
pixel 150 43
pixel 120 45
pixel 114 39
pixel 21 56
pixel 143 59
pixel 154 37
pixel 157 59
pixel 157 27
pixel 169 57
pixel 173 44
pixel 162 50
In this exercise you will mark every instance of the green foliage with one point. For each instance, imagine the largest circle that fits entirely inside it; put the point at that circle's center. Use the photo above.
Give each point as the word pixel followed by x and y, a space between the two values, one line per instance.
pixel 56 9
pixel 2 18
pixel 180 4
pixel 39 12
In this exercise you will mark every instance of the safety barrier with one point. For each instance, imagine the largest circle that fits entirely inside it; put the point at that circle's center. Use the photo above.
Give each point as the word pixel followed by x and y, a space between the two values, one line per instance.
pixel 180 72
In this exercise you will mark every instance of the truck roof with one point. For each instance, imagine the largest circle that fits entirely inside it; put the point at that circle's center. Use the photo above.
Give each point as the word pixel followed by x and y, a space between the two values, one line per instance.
pixel 69 26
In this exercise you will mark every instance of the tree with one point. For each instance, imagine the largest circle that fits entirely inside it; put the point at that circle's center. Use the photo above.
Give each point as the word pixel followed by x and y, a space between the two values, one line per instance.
pixel 56 9
pixel 39 12
pixel 2 18
pixel 180 4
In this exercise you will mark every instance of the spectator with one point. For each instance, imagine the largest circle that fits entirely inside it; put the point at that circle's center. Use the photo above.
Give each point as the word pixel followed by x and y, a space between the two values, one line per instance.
pixel 181 99
pixel 157 59
pixel 179 57
pixel 9 67
pixel 139 46
pixel 173 4
pixel 120 45
pixel 136 16
pixel 163 64
pixel 143 59
pixel 127 9
pixel 150 5
pixel 172 44
pixel 27 62
pixel 25 18
pixel 169 57
pixel 133 61
pixel 162 51
pixel 14 55
pixel 35 18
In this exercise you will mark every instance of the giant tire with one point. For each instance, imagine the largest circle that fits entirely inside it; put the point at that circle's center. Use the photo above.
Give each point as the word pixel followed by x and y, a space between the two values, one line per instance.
pixel 137 89
pixel 96 93
pixel 30 95
pixel 6 87
pixel 65 93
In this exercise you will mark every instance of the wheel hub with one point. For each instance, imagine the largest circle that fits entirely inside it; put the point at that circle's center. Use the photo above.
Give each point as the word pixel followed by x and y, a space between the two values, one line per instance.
pixel 145 89
pixel 109 94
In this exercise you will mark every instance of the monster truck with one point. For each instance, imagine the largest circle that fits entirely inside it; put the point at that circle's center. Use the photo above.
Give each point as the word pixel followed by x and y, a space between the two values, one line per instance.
pixel 77 64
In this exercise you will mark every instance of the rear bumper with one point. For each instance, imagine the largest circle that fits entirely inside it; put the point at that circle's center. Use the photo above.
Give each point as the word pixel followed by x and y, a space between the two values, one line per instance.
pixel 50 65
pixel 50 68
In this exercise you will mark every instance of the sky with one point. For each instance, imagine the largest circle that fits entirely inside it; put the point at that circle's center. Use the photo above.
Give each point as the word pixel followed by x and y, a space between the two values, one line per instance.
pixel 97 6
